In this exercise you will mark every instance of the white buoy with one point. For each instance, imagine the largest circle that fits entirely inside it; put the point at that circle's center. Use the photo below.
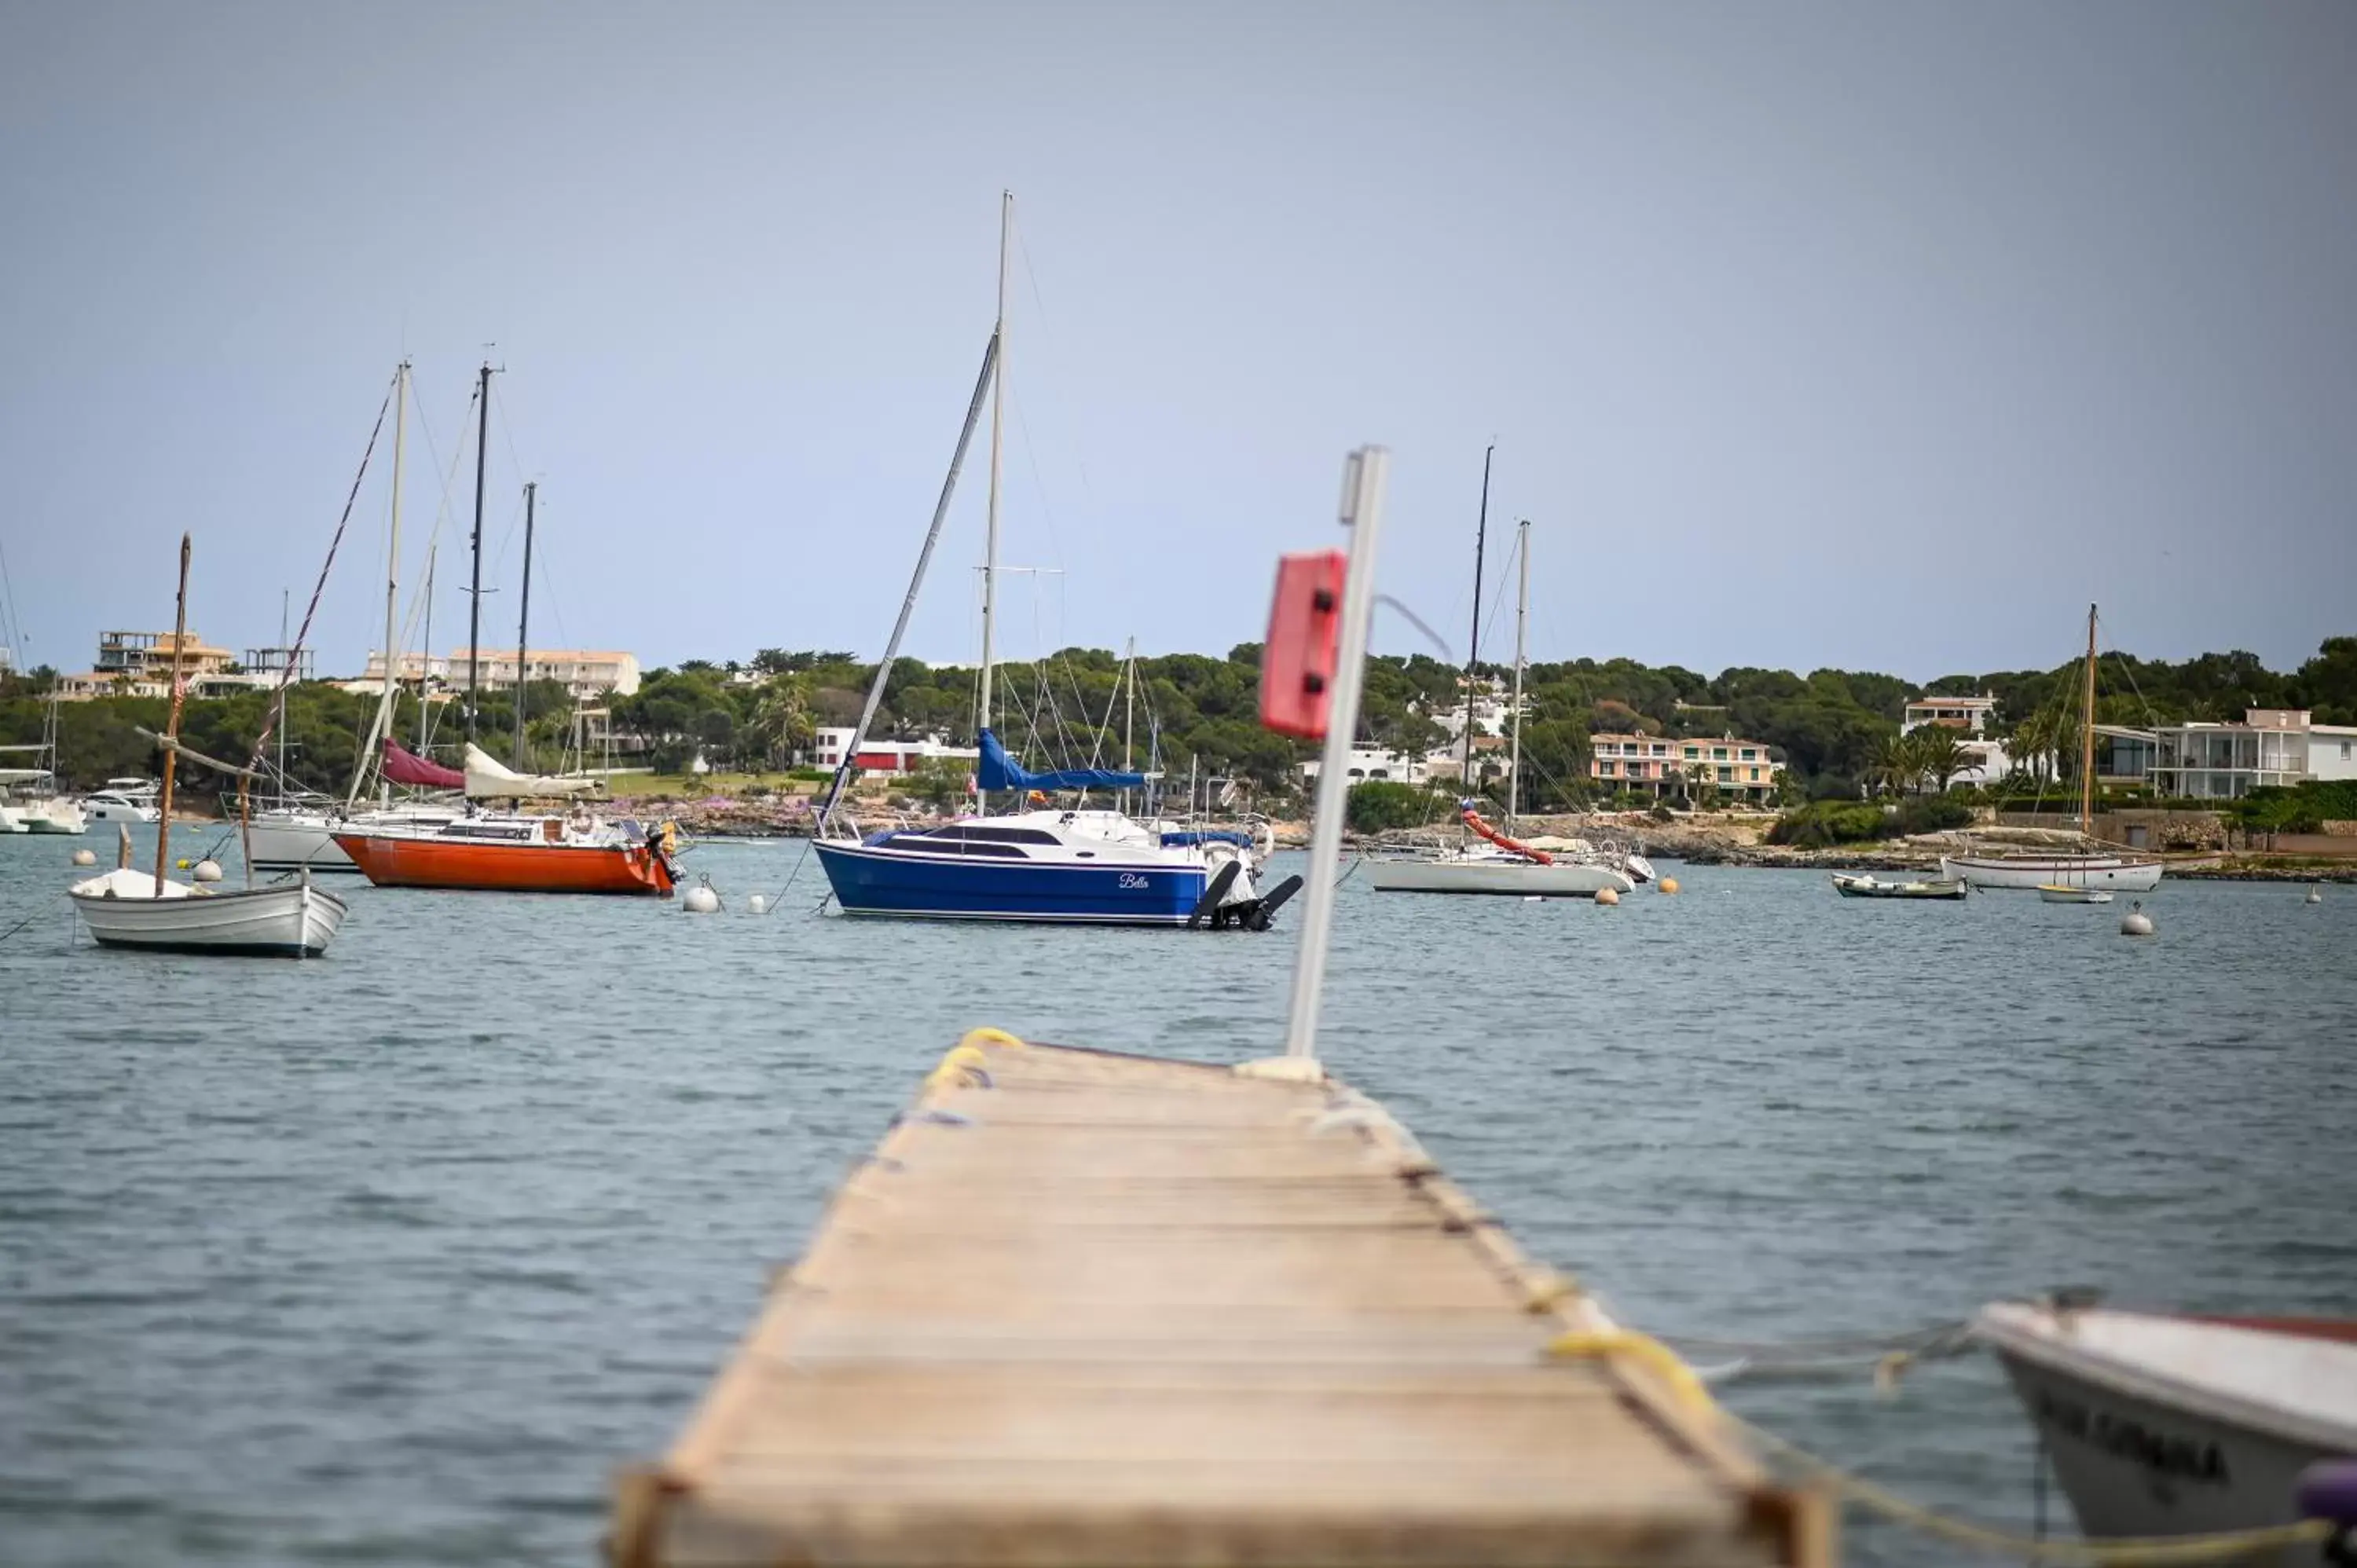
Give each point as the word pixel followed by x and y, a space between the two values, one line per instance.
pixel 84 857
pixel 759 905
pixel 2315 896
pixel 700 899
pixel 2136 923
pixel 206 870
pixel 1606 896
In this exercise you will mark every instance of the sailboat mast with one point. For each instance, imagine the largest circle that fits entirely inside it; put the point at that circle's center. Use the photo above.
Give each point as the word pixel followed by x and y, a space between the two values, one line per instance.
pixel 523 619
pixel 281 722
pixel 385 702
pixel 1522 615
pixel 425 653
pixel 1473 647
pixel 997 442
pixel 172 728
pixel 474 591
pixel 2087 736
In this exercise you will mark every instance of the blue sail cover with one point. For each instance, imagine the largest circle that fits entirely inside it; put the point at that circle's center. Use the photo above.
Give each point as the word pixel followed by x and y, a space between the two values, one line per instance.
pixel 1000 771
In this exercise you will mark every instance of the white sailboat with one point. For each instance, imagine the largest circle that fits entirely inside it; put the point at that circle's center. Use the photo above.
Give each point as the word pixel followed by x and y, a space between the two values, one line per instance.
pixel 2132 874
pixel 299 835
pixel 1489 862
pixel 123 909
pixel 37 807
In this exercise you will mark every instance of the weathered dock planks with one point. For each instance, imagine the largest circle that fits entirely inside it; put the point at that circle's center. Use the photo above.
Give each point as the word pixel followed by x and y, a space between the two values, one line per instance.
pixel 1089 1309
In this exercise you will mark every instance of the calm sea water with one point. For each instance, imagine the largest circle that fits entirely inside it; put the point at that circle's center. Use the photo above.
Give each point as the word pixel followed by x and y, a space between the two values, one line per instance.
pixel 390 1257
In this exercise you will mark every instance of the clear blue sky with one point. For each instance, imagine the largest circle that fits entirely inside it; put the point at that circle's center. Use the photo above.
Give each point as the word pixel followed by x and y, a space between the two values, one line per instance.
pixel 1880 335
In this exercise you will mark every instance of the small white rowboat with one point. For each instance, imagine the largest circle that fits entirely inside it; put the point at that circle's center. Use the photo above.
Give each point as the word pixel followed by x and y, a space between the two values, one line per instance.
pixel 2056 892
pixel 1868 886
pixel 123 909
pixel 2166 1425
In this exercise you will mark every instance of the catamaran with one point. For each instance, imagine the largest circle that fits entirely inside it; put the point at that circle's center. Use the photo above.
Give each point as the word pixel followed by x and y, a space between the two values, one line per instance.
pixel 2130 874
pixel 1489 860
pixel 1072 864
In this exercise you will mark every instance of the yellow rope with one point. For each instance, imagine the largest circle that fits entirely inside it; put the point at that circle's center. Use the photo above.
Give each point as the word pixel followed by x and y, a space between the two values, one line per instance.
pixel 2148 1551
pixel 965 1065
pixel 1657 1356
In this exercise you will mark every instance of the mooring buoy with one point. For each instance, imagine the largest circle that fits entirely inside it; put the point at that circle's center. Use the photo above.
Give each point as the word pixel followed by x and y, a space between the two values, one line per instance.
pixel 1605 896
pixel 206 870
pixel 84 857
pixel 1667 884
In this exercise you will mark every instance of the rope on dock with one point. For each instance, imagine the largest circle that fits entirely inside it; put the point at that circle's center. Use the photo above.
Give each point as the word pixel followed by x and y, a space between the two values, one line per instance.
pixel 2121 1551
pixel 1887 1356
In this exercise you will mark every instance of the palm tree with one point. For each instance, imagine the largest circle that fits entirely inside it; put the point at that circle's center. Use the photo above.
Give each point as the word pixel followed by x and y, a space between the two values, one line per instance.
pixel 780 720
pixel 1939 757
pixel 1887 763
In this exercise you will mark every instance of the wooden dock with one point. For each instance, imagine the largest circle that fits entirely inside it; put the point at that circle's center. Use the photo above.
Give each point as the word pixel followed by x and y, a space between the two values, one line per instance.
pixel 1083 1309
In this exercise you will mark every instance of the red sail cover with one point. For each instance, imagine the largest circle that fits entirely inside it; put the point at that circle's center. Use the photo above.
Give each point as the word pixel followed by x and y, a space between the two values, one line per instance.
pixel 405 766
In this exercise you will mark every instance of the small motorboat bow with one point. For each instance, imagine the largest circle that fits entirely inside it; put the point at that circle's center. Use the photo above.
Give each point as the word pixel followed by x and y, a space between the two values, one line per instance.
pixel 2161 1423
pixel 1866 885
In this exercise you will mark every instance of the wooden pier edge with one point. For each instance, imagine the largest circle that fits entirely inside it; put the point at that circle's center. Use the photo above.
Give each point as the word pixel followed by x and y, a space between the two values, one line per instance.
pixel 1068 1416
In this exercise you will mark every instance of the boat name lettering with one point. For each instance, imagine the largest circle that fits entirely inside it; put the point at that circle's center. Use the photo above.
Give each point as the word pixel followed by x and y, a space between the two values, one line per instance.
pixel 2123 1437
pixel 1131 879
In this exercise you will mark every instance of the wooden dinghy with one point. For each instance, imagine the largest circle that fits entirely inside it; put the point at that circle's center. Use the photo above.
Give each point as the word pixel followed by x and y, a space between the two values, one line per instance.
pixel 1866 886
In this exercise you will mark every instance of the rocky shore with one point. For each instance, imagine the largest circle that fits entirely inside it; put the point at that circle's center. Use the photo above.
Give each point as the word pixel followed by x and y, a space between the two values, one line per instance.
pixel 1721 839
pixel 1739 839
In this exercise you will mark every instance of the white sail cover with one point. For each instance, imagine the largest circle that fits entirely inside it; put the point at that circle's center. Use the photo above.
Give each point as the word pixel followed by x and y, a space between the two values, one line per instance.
pixel 488 780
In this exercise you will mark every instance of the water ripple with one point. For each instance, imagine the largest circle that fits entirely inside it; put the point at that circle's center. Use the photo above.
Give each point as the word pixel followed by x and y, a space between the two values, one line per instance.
pixel 390 1259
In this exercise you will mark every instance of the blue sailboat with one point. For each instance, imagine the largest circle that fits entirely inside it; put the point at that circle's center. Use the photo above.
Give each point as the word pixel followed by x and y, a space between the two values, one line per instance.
pixel 1075 865
pixel 1089 867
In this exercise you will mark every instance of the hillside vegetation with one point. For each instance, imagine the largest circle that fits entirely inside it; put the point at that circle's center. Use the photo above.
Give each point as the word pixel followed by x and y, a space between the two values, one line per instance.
pixel 1833 730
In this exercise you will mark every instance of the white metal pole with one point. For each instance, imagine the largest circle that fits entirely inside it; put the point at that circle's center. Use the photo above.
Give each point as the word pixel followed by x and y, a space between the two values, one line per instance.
pixel 1363 475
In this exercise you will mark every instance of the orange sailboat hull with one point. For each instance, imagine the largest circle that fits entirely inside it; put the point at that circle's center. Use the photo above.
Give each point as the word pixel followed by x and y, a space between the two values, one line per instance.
pixel 428 862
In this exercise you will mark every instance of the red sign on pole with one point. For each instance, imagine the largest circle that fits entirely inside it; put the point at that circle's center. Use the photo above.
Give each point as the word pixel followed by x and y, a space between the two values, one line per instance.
pixel 1296 667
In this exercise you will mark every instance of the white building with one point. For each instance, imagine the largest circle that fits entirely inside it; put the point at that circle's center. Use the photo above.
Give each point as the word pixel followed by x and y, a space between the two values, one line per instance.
pixel 889 757
pixel 1970 714
pixel 2270 746
pixel 584 673
pixel 1376 762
